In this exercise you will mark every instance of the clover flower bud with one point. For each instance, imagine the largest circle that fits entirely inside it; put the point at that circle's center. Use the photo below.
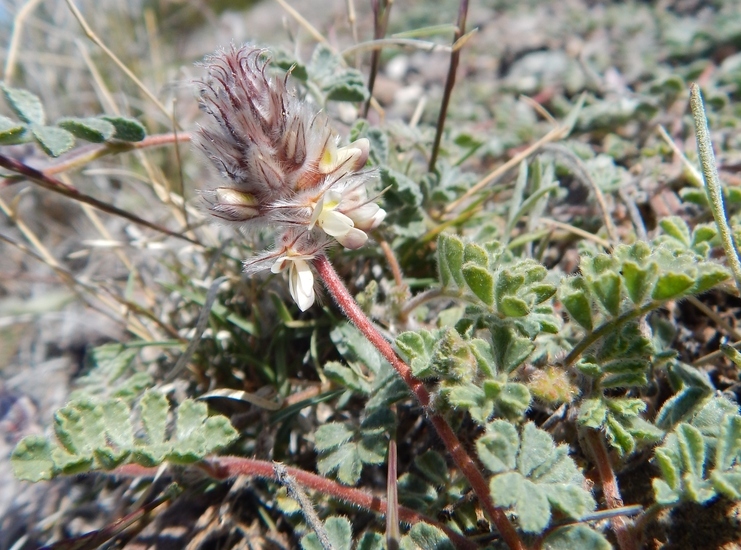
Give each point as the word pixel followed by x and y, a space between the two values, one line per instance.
pixel 282 168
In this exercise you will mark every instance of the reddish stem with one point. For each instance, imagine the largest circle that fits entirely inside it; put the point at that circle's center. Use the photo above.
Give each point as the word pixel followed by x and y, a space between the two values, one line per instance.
pixel 352 311
pixel 233 466
pixel 620 524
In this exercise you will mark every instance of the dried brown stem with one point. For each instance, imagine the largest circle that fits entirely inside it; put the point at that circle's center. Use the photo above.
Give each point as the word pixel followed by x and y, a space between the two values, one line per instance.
pixel 381 11
pixel 53 184
pixel 449 82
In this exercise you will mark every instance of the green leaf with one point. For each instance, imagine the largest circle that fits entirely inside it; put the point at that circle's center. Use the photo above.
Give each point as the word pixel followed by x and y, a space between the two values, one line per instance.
pixel 348 85
pixel 497 448
pixel 511 306
pixel 639 281
pixel 54 141
pixel 529 502
pixel 95 130
pixel 537 446
pixel 450 260
pixel 619 437
pixel 607 288
pixel 510 349
pixel 575 298
pixel 475 254
pixel 339 533
pixel 708 276
pixel 154 409
pixel 332 435
pixel 692 448
pixel 127 129
pixel 11 132
pixel 345 460
pixel 218 432
pixel 680 406
pixel 480 281
pixel 79 427
pixel 573 501
pixel 592 413
pixel 669 466
pixel 513 401
pixel 672 285
pixel 432 464
pixel 664 494
pixel 676 227
pixel 32 459
pixel 26 105
pixel 727 483
pixel 575 537
pixel 728 448
pixel 429 537
pixel 371 541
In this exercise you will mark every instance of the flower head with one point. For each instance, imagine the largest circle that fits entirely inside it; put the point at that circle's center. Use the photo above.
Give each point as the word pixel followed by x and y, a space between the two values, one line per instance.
pixel 281 166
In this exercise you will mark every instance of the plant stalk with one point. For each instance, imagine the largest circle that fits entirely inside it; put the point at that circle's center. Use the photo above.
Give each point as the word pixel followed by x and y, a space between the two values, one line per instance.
pixel 713 185
pixel 465 463
pixel 449 83
pixel 620 525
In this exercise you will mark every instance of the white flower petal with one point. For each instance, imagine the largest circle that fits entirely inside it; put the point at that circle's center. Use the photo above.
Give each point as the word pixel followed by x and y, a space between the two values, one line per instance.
pixel 335 223
pixel 280 264
pixel 353 239
pixel 318 209
pixel 301 284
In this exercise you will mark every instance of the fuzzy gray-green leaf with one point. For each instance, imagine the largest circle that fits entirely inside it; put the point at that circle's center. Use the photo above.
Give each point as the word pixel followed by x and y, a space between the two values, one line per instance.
pixel 728 448
pixel 510 348
pixel 536 448
pixel 672 285
pixel 677 228
pixel 339 533
pixel 32 459
pixel 607 288
pixel 26 105
pixel 329 436
pixel 639 281
pixel 576 537
pixel 680 406
pixel 592 413
pixel 450 260
pixel 575 298
pixel 54 141
pixel 116 415
pixel 127 129
pixel 480 281
pixel 429 537
pixel 95 130
pixel 11 132
pixel 692 448
pixel 497 448
pixel 475 254
pixel 79 427
pixel 154 409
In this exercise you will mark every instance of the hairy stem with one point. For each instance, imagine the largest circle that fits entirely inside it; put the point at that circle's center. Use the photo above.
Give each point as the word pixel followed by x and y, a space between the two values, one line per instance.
pixel 620 525
pixel 465 463
pixel 606 328
pixel 232 466
pixel 712 182
pixel 307 508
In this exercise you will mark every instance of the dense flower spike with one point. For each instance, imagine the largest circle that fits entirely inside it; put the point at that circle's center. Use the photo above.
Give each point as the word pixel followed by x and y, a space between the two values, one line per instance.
pixel 282 168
